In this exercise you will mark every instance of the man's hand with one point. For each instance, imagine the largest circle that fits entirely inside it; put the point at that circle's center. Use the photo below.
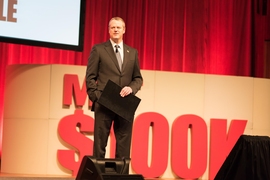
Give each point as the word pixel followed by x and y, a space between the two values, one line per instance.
pixel 125 91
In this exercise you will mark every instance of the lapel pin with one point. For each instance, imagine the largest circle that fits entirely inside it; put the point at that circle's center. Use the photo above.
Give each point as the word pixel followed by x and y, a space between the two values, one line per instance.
pixel 128 51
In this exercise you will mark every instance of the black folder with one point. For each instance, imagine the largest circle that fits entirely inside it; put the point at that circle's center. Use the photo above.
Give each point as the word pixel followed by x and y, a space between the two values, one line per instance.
pixel 122 106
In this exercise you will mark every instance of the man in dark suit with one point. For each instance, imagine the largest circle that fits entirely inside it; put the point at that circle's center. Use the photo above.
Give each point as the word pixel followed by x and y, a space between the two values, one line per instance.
pixel 118 62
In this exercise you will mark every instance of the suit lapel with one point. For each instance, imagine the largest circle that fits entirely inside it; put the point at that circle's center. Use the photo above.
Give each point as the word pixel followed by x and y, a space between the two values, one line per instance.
pixel 126 56
pixel 110 51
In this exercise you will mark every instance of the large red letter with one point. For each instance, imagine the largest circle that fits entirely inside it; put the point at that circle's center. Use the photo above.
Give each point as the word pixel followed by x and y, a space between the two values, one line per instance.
pixel 198 162
pixel 72 87
pixel 221 142
pixel 160 144
pixel 76 140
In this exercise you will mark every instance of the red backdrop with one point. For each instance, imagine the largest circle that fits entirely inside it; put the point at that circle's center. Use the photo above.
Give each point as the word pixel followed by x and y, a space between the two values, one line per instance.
pixel 200 36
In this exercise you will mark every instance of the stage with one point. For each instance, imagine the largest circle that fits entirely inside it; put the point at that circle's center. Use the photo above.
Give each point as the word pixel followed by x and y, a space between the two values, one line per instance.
pixel 4 176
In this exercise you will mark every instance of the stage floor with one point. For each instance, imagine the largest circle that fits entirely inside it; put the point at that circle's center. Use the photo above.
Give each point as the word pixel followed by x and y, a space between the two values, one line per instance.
pixel 4 176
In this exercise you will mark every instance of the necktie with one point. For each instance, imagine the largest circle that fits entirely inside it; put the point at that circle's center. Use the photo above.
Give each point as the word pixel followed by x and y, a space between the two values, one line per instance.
pixel 118 56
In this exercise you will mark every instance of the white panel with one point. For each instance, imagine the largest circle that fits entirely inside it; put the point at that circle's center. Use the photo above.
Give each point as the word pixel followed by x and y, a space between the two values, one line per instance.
pixel 179 93
pixel 261 113
pixel 24 146
pixel 27 91
pixel 229 97
pixel 147 92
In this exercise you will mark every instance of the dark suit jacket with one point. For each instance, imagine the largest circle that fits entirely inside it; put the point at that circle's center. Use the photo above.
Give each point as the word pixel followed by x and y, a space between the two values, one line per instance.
pixel 103 65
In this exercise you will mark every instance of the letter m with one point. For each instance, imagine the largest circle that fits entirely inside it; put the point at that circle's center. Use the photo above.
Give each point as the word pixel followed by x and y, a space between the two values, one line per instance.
pixel 72 88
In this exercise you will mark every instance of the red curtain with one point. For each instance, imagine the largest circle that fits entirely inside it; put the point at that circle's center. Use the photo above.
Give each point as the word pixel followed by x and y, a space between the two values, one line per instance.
pixel 223 37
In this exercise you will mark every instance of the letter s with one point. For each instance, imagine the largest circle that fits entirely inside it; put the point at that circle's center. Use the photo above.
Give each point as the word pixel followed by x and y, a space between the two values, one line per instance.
pixel 68 133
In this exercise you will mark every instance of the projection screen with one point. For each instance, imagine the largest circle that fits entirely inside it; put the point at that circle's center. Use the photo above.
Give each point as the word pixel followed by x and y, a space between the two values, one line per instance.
pixel 48 23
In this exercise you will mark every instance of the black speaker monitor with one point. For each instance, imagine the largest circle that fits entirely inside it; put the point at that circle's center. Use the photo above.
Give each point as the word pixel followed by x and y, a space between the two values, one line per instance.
pixel 105 169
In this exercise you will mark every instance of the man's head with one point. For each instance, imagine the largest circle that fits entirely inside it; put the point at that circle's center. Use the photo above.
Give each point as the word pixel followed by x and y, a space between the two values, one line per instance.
pixel 117 29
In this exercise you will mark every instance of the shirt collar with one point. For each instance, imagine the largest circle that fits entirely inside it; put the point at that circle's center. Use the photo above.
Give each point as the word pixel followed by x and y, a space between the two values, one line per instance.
pixel 120 44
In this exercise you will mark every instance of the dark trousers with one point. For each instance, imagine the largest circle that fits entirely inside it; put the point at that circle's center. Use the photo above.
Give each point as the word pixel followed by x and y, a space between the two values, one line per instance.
pixel 122 130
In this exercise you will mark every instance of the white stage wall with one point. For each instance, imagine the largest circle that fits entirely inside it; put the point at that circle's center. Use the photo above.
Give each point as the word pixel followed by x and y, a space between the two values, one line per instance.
pixel 34 108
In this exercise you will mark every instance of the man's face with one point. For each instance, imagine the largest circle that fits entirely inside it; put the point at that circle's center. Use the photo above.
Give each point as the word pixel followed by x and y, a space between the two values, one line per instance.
pixel 116 30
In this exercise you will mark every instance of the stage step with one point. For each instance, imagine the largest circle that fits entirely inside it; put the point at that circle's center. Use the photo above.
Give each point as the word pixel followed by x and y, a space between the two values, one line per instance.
pixel 35 178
